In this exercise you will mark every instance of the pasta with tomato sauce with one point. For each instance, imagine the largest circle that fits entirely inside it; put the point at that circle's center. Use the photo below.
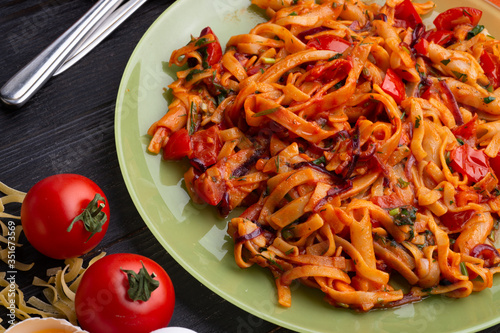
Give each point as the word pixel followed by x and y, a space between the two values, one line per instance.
pixel 361 143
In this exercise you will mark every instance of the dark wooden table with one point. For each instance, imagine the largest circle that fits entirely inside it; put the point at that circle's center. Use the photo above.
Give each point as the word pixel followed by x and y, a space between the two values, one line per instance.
pixel 68 127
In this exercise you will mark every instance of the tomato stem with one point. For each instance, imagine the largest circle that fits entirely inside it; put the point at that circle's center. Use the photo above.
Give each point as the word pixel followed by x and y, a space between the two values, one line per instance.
pixel 141 284
pixel 92 216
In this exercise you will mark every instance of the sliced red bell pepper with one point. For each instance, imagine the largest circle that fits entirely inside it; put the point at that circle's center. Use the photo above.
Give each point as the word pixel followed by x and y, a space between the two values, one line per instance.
pixel 394 86
pixel 452 17
pixel 329 42
pixel 178 145
pixel 406 12
pixel 214 50
pixel 470 162
pixel 491 68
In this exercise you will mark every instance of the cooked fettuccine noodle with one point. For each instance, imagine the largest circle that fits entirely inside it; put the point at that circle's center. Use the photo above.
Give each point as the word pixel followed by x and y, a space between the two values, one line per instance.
pixel 361 143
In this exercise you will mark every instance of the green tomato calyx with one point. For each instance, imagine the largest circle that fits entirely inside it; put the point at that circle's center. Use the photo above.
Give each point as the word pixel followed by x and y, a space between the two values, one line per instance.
pixel 141 284
pixel 93 217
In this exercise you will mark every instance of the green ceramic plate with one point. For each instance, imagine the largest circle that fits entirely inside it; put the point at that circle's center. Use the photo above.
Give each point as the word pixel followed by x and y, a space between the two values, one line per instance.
pixel 196 237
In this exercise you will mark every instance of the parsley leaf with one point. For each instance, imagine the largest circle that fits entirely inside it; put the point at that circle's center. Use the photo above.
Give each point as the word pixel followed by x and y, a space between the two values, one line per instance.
pixel 488 100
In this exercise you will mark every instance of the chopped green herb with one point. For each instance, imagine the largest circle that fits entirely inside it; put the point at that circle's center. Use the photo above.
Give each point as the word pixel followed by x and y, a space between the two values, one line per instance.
pixel 293 14
pixel 338 55
pixel 203 41
pixel 460 141
pixel 266 112
pixel 192 118
pixel 476 30
pixel 463 269
pixel 267 60
pixel 402 183
pixel 460 76
pixel 405 216
pixel 418 119
pixel 319 161
pixel 445 61
pixel 394 212
pixel 488 100
pixel 287 232
pixel 277 163
pixel 192 73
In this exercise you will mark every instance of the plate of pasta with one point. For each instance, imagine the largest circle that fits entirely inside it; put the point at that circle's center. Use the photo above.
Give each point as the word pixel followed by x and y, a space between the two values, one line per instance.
pixel 322 163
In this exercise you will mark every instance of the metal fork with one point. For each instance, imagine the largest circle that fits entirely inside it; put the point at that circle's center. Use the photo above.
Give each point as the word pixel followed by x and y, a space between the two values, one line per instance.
pixel 66 50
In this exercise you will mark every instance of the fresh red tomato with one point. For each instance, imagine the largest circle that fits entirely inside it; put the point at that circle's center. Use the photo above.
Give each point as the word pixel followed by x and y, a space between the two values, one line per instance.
pixel 449 19
pixel 124 293
pixel 394 86
pixel 214 50
pixel 406 12
pixel 205 145
pixel 329 42
pixel 470 162
pixel 455 221
pixel 178 145
pixel 491 67
pixel 495 165
pixel 65 215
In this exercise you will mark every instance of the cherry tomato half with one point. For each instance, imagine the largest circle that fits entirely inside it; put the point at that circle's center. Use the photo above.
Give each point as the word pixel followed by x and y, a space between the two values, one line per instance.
pixel 406 12
pixel 394 86
pixel 491 67
pixel 210 187
pixel 440 37
pixel 214 50
pixel 65 215
pixel 104 300
pixel 206 145
pixel 422 46
pixel 495 165
pixel 470 162
pixel 456 221
pixel 329 42
pixel 178 145
pixel 452 17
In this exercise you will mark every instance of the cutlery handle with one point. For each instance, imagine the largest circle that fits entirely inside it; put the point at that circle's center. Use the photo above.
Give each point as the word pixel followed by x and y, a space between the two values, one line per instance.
pixel 25 83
